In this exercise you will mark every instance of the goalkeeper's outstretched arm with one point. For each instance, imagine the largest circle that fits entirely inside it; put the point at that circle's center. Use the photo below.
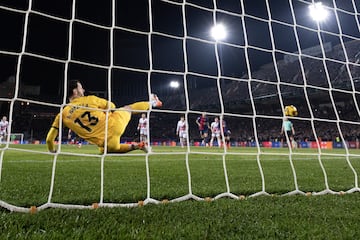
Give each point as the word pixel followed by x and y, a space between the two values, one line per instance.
pixel 52 134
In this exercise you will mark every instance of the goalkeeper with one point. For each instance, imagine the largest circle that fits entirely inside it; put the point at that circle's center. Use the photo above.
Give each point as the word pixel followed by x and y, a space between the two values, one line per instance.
pixel 85 116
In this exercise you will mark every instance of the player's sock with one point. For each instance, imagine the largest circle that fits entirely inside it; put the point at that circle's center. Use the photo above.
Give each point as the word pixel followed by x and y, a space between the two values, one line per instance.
pixel 155 101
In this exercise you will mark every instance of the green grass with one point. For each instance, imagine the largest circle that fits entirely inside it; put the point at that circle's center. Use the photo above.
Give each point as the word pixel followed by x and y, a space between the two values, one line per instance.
pixel 26 178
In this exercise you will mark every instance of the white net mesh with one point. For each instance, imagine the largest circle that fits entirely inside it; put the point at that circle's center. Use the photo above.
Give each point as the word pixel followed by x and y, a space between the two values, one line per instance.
pixel 274 55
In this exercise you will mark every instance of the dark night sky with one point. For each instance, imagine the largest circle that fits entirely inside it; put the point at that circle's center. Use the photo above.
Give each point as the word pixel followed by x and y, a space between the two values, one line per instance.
pixel 49 37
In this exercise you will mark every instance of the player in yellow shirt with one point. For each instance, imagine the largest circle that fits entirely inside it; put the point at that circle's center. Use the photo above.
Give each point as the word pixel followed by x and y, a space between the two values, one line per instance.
pixel 86 116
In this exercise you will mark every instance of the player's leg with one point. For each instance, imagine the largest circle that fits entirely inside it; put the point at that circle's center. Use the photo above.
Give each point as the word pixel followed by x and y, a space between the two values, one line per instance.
pixel 143 106
pixel 293 142
pixel 212 139
pixel 206 139
pixel 118 122
pixel 144 138
pixel 181 141
pixel 288 138
pixel 218 140
pixel 202 138
pixel 185 139
pixel 124 148
pixel 142 135
pixel 227 141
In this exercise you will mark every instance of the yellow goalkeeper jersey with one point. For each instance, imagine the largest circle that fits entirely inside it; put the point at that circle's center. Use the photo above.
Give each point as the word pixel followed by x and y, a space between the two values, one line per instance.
pixel 82 117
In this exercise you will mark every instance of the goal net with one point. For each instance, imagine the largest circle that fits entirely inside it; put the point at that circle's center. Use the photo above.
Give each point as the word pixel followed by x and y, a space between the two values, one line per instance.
pixel 264 56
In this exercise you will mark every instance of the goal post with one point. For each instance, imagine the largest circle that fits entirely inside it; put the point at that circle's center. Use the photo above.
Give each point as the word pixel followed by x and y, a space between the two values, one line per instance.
pixel 17 138
pixel 268 55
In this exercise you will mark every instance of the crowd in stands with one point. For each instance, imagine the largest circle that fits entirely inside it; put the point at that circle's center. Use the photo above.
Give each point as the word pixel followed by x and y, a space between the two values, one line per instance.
pixel 236 97
pixel 239 107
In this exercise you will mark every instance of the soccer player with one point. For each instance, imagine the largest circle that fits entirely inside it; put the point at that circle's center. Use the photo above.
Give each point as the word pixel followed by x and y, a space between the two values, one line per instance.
pixel 215 132
pixel 4 124
pixel 181 131
pixel 203 124
pixel 227 134
pixel 86 116
pixel 142 127
pixel 288 130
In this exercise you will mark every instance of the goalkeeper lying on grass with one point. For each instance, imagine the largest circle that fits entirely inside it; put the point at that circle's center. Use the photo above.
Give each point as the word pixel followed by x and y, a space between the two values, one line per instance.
pixel 86 116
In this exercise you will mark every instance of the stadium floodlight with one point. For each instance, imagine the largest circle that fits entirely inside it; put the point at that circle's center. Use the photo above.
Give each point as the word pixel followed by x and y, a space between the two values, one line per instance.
pixel 174 84
pixel 218 32
pixel 318 12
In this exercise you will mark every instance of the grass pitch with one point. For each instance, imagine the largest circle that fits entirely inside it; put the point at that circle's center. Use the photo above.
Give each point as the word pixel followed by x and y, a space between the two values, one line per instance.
pixel 26 178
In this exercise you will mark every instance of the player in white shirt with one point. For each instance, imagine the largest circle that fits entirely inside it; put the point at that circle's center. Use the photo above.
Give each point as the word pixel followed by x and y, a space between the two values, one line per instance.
pixel 3 128
pixel 215 132
pixel 181 131
pixel 142 127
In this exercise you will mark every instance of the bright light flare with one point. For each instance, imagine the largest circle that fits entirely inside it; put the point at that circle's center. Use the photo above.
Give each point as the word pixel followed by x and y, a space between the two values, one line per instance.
pixel 318 12
pixel 218 32
pixel 174 84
